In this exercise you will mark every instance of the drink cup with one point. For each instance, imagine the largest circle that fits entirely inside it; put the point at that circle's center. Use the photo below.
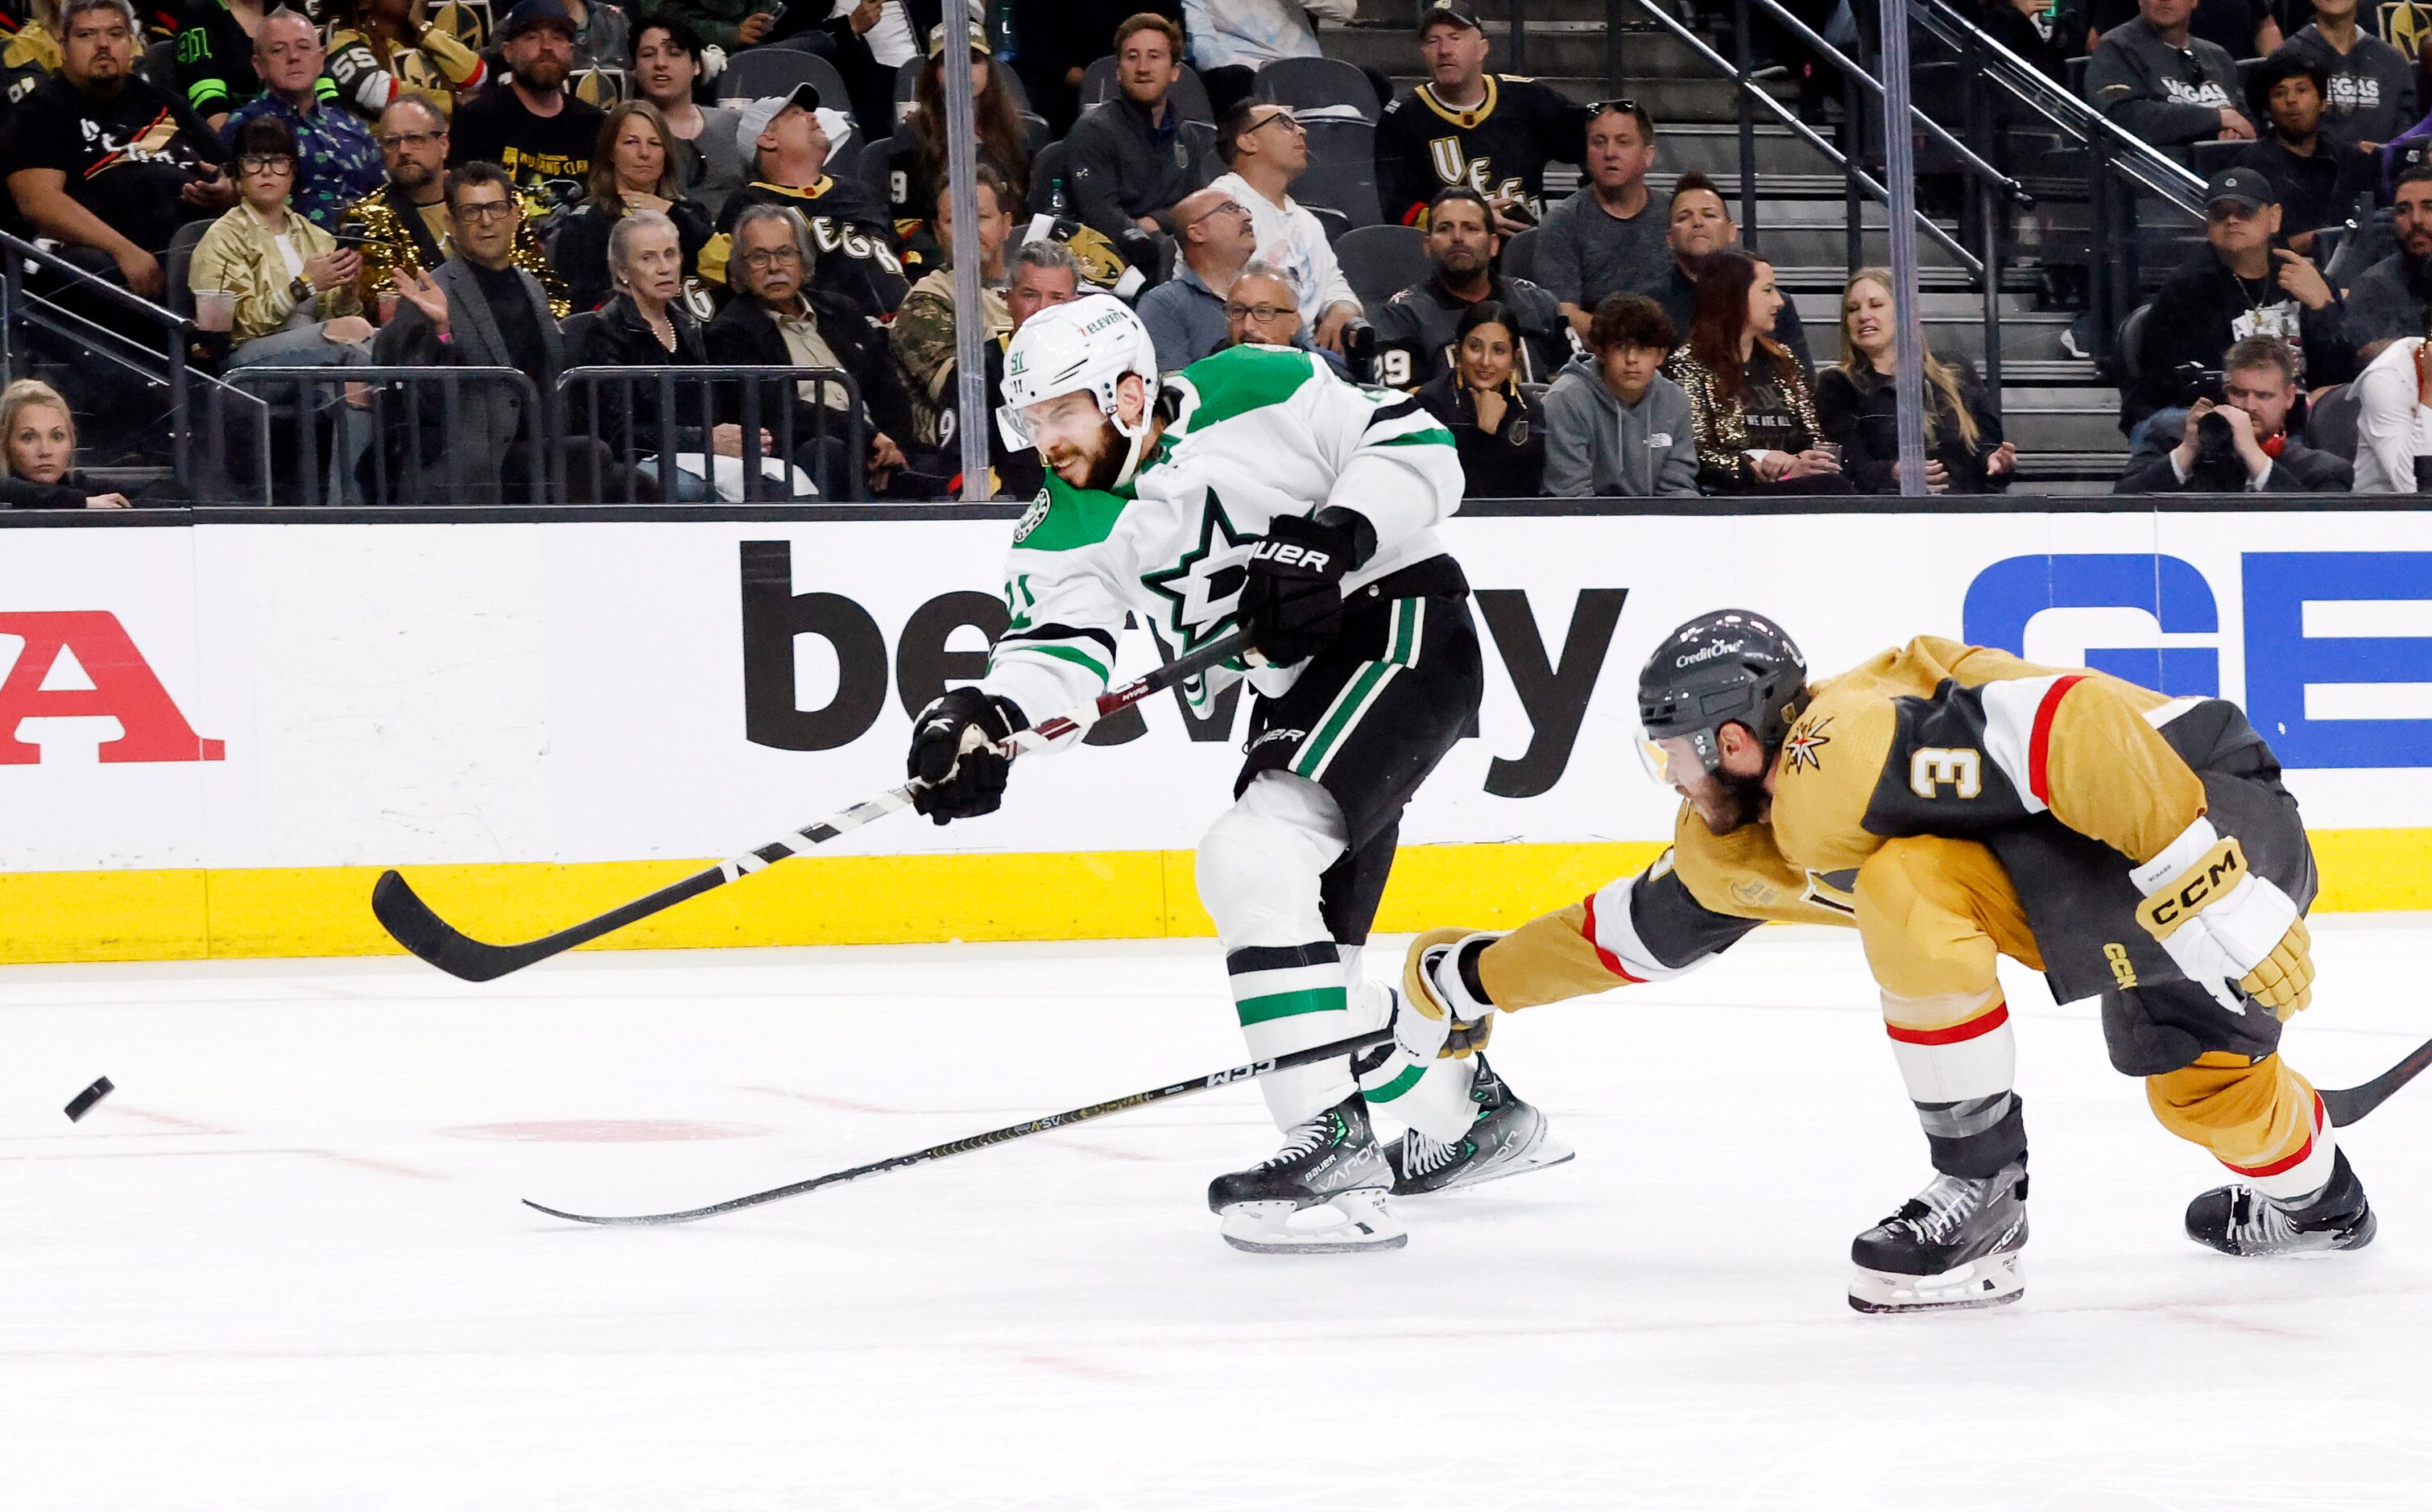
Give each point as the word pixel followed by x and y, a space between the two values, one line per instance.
pixel 216 310
pixel 387 306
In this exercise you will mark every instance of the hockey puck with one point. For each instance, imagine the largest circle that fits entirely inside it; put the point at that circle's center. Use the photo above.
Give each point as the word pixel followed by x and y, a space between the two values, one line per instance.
pixel 83 1101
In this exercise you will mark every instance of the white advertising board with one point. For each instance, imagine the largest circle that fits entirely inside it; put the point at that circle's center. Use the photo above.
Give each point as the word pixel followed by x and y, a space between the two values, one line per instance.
pixel 355 694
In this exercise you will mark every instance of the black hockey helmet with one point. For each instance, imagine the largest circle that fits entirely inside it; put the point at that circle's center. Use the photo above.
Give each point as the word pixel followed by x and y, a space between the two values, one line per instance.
pixel 1729 666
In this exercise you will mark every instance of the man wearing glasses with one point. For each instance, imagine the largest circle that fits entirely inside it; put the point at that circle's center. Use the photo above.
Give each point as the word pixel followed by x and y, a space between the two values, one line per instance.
pixel 337 160
pixel 1266 149
pixel 1185 315
pixel 404 225
pixel 1491 132
pixel 2165 85
pixel 1262 310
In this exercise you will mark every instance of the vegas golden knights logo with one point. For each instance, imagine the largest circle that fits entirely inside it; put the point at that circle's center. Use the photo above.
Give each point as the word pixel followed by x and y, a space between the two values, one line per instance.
pixel 2403 24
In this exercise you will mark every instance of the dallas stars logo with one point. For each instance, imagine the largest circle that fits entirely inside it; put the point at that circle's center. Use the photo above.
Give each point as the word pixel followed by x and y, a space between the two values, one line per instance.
pixel 1806 744
pixel 1204 586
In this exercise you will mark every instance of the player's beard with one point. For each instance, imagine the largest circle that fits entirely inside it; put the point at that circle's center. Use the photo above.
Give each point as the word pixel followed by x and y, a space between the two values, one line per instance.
pixel 1736 802
pixel 1104 464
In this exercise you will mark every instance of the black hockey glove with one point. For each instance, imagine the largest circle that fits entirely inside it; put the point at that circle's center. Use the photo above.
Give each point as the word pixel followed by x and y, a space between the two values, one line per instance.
pixel 1292 604
pixel 963 783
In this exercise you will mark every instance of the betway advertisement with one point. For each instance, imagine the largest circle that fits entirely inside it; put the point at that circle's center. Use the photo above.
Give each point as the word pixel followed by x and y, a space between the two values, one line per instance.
pixel 341 693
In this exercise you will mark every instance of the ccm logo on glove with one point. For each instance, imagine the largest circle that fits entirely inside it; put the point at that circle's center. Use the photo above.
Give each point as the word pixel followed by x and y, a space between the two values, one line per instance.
pixel 2218 871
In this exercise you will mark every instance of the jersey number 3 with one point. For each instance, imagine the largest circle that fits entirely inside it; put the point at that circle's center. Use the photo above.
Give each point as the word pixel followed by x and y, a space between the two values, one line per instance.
pixel 1931 766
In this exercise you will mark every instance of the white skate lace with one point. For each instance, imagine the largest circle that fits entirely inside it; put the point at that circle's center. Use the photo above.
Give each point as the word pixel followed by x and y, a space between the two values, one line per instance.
pixel 2256 1221
pixel 1423 1156
pixel 1315 1134
pixel 1942 1209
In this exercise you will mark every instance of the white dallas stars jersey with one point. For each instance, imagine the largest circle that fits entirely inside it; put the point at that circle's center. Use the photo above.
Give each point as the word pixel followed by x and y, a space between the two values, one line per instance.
pixel 1260 432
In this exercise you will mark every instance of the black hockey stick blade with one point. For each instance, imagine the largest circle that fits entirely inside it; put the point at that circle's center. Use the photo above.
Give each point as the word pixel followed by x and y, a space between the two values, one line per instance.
pixel 1336 1050
pixel 415 925
pixel 2346 1104
pixel 410 923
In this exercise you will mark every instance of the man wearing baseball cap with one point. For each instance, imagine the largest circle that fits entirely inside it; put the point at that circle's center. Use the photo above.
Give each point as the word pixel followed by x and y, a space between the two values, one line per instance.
pixel 2246 284
pixel 1493 132
pixel 788 140
pixel 532 125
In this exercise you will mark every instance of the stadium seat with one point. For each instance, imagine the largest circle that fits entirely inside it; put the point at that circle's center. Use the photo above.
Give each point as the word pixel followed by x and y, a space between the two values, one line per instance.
pixel 2331 422
pixel 1098 86
pixel 159 68
pixel 2132 336
pixel 1520 256
pixel 1342 174
pixel 1382 261
pixel 1045 170
pixel 762 73
pixel 873 167
pixel 2209 158
pixel 174 292
pixel 1316 83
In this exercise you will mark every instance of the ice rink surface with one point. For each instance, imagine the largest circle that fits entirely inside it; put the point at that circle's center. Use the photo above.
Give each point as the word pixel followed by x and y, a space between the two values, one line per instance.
pixel 284 1267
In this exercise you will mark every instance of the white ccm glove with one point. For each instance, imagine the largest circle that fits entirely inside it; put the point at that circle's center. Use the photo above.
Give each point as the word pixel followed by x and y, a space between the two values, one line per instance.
pixel 2225 927
pixel 1445 1020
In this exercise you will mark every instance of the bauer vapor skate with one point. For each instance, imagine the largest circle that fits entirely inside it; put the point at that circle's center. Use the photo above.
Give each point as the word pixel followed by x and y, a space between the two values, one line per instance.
pixel 1323 1193
pixel 1954 1245
pixel 1508 1137
pixel 2242 1221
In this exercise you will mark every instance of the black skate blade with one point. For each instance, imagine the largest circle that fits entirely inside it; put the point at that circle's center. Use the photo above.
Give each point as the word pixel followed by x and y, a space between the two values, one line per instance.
pixel 1962 1305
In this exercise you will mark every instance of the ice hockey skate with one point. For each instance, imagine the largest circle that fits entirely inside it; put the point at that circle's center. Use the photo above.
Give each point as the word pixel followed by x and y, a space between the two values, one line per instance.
pixel 1323 1193
pixel 1508 1139
pixel 1954 1245
pixel 2241 1221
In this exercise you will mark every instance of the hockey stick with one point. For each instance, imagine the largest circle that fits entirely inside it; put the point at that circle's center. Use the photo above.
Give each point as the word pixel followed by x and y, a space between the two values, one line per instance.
pixel 2345 1105
pixel 1351 1045
pixel 413 925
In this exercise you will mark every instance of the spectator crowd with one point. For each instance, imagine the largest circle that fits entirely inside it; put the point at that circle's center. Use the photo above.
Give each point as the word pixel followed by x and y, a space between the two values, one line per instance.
pixel 377 187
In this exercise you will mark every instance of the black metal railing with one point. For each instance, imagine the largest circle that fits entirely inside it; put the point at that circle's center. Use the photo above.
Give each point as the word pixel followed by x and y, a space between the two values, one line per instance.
pixel 411 422
pixel 658 426
pixel 42 292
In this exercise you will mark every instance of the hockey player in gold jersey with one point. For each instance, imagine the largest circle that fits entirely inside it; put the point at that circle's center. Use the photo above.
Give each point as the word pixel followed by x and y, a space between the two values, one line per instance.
pixel 1954 804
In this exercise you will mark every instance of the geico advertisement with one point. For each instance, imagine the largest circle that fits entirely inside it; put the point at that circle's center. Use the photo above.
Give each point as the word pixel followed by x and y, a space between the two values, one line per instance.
pixel 341 693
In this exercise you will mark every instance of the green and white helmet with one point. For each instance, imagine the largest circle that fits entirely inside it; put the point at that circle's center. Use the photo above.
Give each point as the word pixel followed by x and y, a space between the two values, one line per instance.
pixel 1088 344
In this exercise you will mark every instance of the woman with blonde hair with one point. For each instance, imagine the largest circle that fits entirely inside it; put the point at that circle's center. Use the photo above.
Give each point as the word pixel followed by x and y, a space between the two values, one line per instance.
pixel 1859 407
pixel 636 167
pixel 37 452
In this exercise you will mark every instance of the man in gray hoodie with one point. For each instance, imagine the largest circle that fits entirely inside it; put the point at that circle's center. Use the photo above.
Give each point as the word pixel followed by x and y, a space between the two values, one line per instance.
pixel 2160 83
pixel 1615 427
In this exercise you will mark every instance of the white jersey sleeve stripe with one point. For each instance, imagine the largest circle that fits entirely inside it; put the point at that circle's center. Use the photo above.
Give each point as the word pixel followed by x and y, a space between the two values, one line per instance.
pixel 2010 709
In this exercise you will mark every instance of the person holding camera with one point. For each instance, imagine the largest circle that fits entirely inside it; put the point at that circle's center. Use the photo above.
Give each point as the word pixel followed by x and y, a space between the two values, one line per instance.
pixel 2239 441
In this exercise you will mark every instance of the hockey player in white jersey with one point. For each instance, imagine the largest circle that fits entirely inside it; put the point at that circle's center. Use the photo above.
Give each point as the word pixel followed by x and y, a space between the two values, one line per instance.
pixel 1247 492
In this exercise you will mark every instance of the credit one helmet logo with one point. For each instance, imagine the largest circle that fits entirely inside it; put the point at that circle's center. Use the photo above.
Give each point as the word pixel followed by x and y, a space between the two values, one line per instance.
pixel 81 664
pixel 2328 689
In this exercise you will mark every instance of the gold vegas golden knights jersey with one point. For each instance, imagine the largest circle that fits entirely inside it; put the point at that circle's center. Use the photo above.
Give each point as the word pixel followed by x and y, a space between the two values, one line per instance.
pixel 1955 803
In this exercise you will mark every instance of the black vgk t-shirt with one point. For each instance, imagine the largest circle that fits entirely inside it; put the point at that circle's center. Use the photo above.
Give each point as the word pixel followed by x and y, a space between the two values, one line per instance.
pixel 533 149
pixel 127 157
